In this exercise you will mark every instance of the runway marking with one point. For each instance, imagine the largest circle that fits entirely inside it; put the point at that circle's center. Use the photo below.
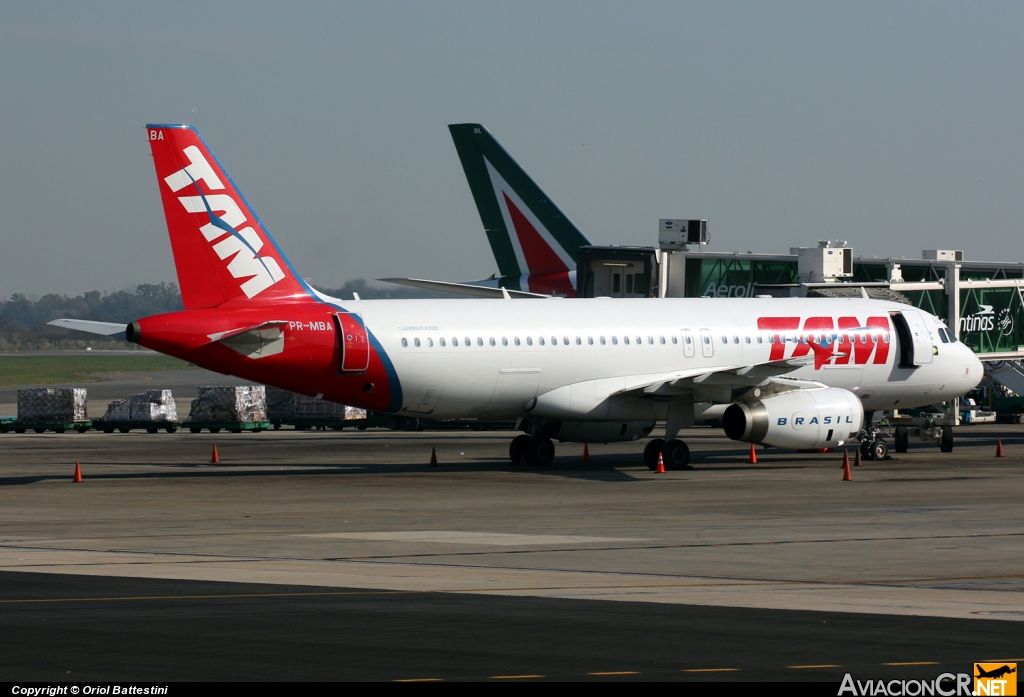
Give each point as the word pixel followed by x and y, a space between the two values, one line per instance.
pixel 515 677
pixel 913 663
pixel 617 672
pixel 710 670
pixel 824 665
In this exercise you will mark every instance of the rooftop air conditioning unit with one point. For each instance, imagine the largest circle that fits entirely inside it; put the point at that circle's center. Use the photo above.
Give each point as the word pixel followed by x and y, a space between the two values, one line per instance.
pixel 676 233
pixel 943 255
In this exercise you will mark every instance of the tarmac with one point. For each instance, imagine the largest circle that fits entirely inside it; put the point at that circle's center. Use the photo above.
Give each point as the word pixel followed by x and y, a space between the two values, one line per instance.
pixel 344 555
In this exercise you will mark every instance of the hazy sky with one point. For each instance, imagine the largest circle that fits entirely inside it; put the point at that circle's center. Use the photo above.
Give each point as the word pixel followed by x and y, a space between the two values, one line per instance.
pixel 896 126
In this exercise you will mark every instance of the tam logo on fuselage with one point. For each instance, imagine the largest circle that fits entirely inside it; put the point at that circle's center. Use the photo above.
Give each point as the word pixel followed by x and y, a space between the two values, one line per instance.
pixel 242 246
pixel 851 341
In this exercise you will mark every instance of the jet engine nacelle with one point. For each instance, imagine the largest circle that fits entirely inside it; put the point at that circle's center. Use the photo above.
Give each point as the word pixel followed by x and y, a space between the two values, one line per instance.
pixel 816 418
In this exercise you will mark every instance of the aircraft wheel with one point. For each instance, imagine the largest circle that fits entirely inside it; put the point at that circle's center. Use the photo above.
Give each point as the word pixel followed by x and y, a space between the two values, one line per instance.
pixel 540 452
pixel 676 454
pixel 879 450
pixel 517 448
pixel 651 451
pixel 902 439
pixel 215 430
pixel 151 429
pixel 946 444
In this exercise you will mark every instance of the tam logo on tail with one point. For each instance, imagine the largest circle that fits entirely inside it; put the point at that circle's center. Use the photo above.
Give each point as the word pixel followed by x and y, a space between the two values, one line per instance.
pixel 220 249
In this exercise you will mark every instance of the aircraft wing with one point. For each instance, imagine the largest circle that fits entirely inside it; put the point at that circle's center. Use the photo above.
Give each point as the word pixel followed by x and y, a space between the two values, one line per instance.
pixel 597 398
pixel 725 379
pixel 114 330
pixel 480 291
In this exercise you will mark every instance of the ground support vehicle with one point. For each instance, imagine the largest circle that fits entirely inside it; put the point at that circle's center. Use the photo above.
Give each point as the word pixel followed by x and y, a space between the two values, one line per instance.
pixel 44 426
pixel 126 426
pixel 230 426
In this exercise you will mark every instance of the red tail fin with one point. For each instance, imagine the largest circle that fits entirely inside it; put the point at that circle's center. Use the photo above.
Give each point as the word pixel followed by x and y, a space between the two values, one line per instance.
pixel 221 250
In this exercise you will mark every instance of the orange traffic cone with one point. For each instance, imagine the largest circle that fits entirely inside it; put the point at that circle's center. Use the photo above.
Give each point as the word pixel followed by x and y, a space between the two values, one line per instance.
pixel 753 455
pixel 78 472
pixel 999 447
pixel 586 453
pixel 661 464
pixel 847 477
pixel 856 458
pixel 433 457
pixel 214 458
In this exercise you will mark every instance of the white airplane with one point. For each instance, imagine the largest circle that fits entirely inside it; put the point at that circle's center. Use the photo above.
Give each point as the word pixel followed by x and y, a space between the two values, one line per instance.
pixel 791 373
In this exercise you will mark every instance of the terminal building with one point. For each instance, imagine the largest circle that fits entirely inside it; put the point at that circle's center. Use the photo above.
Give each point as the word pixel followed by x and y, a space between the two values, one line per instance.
pixel 982 301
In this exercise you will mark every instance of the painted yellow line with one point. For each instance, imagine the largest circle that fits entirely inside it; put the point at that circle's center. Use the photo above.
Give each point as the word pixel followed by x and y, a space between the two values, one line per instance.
pixel 913 663
pixel 824 665
pixel 514 677
pixel 710 670
pixel 616 672
pixel 420 680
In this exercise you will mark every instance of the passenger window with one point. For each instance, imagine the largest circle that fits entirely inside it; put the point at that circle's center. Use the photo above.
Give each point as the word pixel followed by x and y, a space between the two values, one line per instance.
pixel 639 341
pixel 885 337
pixel 455 341
pixel 416 341
pixel 492 341
pixel 615 340
pixel 707 339
pixel 590 340
pixel 541 340
pixel 565 340
pixel 516 340
pixel 554 341
pixel 430 342
pixel 479 341
pixel 602 341
pixel 529 341
pixel 405 343
pixel 650 340
pixel 504 341
pixel 468 342
pixel 579 341
pixel 735 340
pixel 625 340
pixel 441 340
pixel 747 339
pixel 759 339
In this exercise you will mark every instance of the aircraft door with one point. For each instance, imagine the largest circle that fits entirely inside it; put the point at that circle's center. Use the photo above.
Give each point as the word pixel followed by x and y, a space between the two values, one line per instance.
pixel 353 341
pixel 913 335
pixel 688 347
pixel 707 346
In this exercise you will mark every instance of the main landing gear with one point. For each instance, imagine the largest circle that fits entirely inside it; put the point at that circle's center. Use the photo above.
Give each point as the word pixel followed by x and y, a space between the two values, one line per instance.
pixel 674 453
pixel 538 451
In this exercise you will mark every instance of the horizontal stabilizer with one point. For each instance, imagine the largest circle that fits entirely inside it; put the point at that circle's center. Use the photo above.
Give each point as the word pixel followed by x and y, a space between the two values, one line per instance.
pixel 114 330
pixel 462 288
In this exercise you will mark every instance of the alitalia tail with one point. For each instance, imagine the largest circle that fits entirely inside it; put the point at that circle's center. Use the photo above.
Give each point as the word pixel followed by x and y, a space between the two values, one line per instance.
pixel 535 244
pixel 792 373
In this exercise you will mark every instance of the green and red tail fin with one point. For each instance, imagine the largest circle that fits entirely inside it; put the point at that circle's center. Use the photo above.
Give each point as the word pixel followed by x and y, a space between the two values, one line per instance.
pixel 535 244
